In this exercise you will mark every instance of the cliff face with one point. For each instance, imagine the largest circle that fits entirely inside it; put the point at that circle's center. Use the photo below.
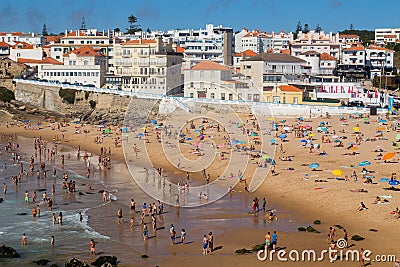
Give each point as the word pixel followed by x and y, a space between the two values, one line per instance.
pixel 108 107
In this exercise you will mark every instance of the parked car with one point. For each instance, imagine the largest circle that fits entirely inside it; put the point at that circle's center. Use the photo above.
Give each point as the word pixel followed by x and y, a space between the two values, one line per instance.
pixel 355 103
pixel 89 85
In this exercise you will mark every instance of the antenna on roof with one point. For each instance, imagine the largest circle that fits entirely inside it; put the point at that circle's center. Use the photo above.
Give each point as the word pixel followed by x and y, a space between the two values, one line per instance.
pixel 83 24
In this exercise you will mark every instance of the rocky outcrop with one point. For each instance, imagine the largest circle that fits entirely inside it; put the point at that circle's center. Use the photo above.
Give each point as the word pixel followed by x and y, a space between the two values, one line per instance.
pixel 74 262
pixel 8 252
pixel 103 260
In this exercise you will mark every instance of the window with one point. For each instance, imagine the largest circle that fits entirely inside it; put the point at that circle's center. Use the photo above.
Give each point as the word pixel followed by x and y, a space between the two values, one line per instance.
pixel 250 97
pixel 223 96
pixel 295 100
pixel 191 95
pixel 230 96
pixel 191 84
pixel 212 95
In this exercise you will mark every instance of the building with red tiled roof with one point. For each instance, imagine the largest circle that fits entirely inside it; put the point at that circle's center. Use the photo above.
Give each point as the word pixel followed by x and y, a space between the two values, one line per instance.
pixel 4 49
pixel 209 65
pixel 85 51
pixel 25 50
pixel 180 49
pixel 284 94
pixel 36 62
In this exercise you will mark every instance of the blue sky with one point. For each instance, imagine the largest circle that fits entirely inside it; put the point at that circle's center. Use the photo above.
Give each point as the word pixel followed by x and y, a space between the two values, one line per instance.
pixel 268 15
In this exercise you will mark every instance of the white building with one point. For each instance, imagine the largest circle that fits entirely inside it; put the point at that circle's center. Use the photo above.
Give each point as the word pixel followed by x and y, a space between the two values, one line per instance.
pixel 348 40
pixel 10 37
pixel 25 50
pixel 76 39
pixel 237 57
pixel 83 65
pixel 387 35
pixel 378 59
pixel 316 41
pixel 208 79
pixel 260 42
pixel 4 49
pixel 32 38
pixel 319 63
pixel 269 69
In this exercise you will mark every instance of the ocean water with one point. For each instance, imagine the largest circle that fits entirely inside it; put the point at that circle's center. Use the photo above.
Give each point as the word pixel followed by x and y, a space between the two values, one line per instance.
pixel 72 237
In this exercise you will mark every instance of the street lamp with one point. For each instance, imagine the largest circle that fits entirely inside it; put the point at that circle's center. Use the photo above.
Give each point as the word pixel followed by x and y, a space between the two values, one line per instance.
pixel 284 98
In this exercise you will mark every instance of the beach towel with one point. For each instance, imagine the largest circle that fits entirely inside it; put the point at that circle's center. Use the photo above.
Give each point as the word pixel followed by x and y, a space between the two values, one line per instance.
pixel 384 180
pixel 387 196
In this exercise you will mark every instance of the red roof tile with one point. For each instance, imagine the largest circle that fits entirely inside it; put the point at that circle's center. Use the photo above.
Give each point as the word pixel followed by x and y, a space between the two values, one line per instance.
pixel 141 41
pixel 355 48
pixel 326 56
pixel 4 44
pixel 208 65
pixel 84 51
pixel 180 49
pixel 47 60
pixel 22 45
pixel 289 88
pixel 247 53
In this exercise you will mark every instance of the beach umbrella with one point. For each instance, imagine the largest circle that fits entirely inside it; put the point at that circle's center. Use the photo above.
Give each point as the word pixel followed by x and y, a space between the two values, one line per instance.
pixel 381 129
pixel 383 121
pixel 26 121
pixel 153 121
pixel 100 126
pixel 337 141
pixel 273 141
pixel 140 135
pixel 107 131
pixel 322 129
pixel 311 135
pixel 254 134
pixel 356 129
pixel 282 136
pixel 397 137
pixel 337 172
pixel 235 142
pixel 270 119
pixel 314 165
pixel 308 127
pixel 286 128
pixel 384 180
pixel 364 163
pixel 388 156
pixel 265 157
pixel 189 138
pixel 353 148
pixel 182 135
pixel 394 182
pixel 303 141
pixel 196 131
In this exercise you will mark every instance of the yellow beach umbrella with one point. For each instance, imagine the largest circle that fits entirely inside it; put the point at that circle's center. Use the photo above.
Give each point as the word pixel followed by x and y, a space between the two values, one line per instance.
pixel 353 148
pixel 337 173
pixel 311 135
pixel 270 119
pixel 356 129
pixel 381 129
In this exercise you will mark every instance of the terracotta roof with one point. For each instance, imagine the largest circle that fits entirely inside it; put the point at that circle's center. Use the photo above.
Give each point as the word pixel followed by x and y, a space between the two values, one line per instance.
pixel 46 60
pixel 180 49
pixel 390 36
pixel 355 48
pixel 275 57
pixel 55 39
pixel 141 41
pixel 326 56
pixel 374 47
pixel 285 51
pixel 76 33
pixel 4 44
pixel 11 33
pixel 348 36
pixel 208 65
pixel 22 45
pixel 247 53
pixel 289 88
pixel 84 51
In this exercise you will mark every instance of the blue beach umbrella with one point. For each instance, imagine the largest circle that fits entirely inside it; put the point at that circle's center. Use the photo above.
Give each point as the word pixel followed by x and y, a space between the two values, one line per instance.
pixel 313 165
pixel 394 182
pixel 189 138
pixel 140 134
pixel 337 141
pixel 273 141
pixel 282 136
pixel 382 120
pixel 364 163
pixel 196 131
pixel 384 180
pixel 303 141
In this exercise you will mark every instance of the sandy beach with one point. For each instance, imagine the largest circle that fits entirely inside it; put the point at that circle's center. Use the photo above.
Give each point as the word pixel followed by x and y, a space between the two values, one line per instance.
pixel 303 194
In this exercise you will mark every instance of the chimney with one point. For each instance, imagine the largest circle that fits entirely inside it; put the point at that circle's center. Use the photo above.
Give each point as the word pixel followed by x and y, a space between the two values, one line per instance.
pixel 159 44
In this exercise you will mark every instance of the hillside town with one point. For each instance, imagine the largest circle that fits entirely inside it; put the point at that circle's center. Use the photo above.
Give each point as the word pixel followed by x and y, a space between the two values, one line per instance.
pixel 216 62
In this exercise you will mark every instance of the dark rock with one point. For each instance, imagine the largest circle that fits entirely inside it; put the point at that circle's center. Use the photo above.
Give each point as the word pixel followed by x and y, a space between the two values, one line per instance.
pixel 74 262
pixel 41 262
pixel 100 191
pixel 54 265
pixel 357 238
pixel 317 222
pixel 311 229
pixel 80 193
pixel 301 229
pixel 8 252
pixel 1 199
pixel 144 256
pixel 21 213
pixel 105 259
pixel 243 251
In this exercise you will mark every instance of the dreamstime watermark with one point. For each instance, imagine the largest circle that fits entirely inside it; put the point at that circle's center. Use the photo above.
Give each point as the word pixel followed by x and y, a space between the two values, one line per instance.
pixel 339 253
pixel 169 133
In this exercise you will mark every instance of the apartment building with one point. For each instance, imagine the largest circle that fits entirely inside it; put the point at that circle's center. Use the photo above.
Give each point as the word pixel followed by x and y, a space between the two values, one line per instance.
pixel 316 41
pixel 10 37
pixel 260 42
pixel 84 65
pixel 268 69
pixel 146 66
pixel 208 79
pixel 76 39
pixel 348 40
pixel 237 57
pixel 378 59
pixel 387 35
pixel 25 50
pixel 4 49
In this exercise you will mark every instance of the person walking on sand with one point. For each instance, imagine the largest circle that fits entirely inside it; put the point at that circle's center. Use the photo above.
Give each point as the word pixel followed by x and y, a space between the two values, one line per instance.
pixel 145 233
pixel 267 238
pixel 183 236
pixel 274 239
pixel 119 215
pixel 331 234
pixel 205 243
pixel 211 242
pixel 92 246
pixel 52 241
pixel 264 204
pixel 172 234
pixel 362 257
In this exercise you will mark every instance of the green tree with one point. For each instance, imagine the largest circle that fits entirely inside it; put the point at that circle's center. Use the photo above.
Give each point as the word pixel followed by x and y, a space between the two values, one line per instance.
pixel 306 30
pixel 44 30
pixel 132 26
pixel 299 28
pixel 318 28
pixel 117 29
pixel 351 27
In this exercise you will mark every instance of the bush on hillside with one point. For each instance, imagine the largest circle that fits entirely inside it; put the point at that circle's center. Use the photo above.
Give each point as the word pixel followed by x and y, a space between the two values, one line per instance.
pixel 68 95
pixel 6 95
